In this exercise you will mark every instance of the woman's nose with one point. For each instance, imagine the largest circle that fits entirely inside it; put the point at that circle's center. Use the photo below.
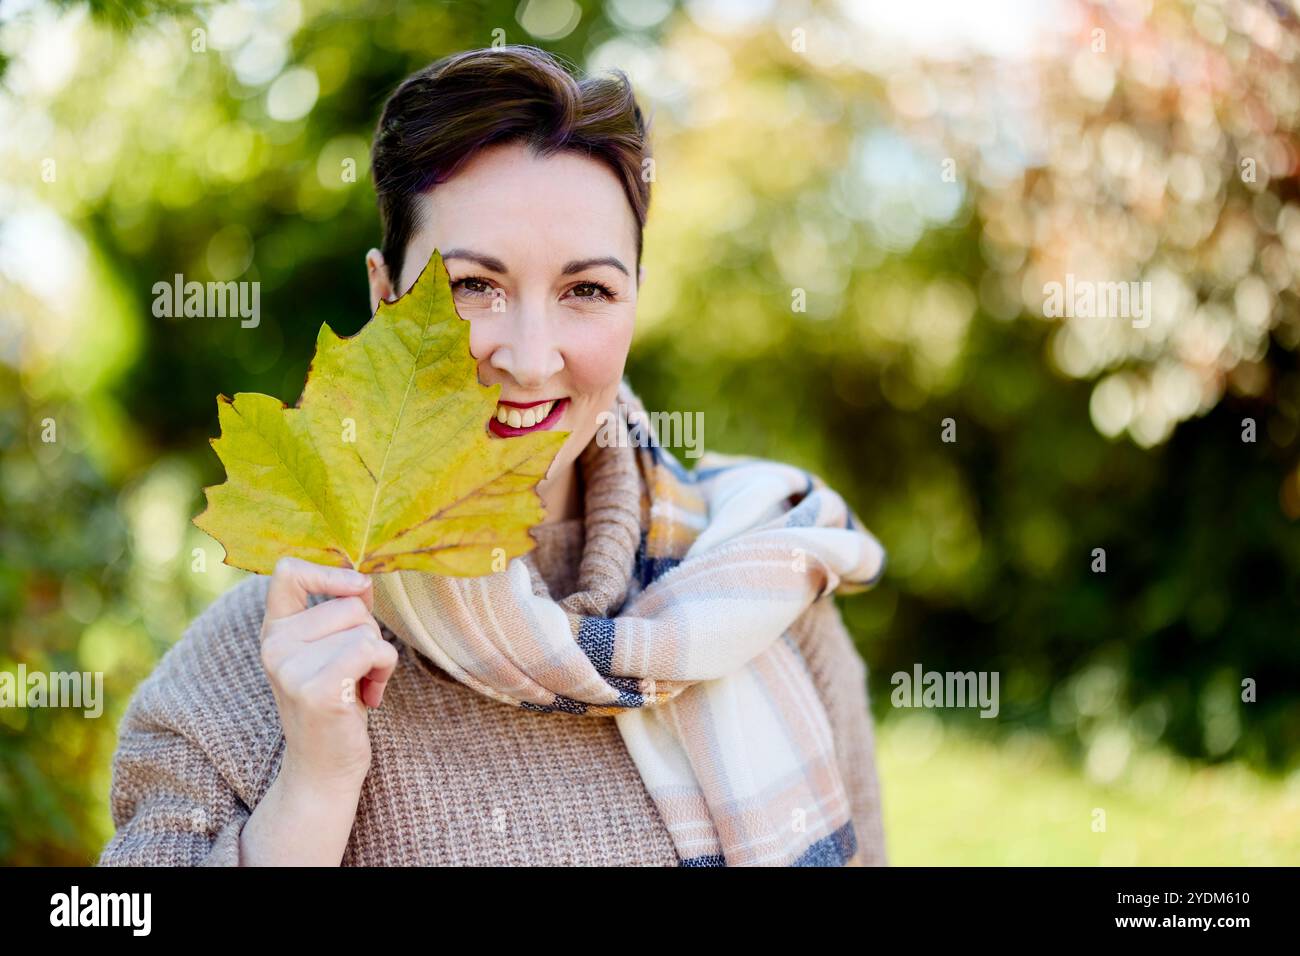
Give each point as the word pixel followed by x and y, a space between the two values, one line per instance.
pixel 527 351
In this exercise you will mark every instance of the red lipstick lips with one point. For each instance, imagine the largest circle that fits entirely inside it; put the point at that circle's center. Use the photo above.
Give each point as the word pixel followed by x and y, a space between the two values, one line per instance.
pixel 502 430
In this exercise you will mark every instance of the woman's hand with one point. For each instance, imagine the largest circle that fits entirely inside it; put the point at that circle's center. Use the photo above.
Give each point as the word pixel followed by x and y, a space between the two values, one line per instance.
pixel 326 665
pixel 316 658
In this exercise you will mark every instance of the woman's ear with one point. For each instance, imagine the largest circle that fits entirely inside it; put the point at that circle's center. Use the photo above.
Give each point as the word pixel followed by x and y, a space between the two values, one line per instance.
pixel 381 286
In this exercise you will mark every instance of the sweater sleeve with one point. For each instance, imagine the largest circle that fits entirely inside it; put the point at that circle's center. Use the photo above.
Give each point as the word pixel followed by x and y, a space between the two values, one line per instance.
pixel 196 745
pixel 169 804
pixel 840 676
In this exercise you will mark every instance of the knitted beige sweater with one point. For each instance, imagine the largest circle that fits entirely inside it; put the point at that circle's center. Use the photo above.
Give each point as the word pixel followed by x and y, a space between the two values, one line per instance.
pixel 455 777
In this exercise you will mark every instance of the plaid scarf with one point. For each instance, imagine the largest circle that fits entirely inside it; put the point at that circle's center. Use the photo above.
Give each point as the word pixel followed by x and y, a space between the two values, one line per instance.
pixel 710 693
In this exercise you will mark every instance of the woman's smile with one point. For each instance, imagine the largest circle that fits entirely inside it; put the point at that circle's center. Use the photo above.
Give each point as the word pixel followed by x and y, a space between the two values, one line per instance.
pixel 520 418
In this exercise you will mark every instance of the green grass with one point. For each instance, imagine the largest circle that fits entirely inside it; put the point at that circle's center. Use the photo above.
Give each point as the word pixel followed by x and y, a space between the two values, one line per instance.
pixel 952 799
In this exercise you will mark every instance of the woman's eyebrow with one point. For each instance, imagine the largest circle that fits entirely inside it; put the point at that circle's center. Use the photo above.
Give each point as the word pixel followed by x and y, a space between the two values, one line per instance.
pixel 496 265
pixel 577 265
pixel 487 262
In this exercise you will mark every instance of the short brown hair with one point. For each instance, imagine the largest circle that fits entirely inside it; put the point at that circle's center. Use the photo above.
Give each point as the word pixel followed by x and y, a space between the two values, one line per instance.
pixel 441 116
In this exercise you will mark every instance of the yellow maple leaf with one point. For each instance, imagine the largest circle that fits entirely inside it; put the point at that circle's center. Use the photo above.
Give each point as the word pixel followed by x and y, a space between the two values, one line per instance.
pixel 385 463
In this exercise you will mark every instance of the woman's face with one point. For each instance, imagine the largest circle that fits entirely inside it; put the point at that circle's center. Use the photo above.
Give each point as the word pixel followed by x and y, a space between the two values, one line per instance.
pixel 541 253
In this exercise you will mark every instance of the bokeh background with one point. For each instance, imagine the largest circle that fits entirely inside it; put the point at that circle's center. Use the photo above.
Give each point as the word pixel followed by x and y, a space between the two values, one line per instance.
pixel 919 170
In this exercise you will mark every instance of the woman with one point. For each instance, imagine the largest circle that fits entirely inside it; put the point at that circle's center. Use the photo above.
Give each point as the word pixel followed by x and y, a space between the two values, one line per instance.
pixel 664 680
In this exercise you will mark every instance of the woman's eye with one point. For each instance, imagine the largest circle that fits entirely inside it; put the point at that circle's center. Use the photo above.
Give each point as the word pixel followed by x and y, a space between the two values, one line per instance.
pixel 473 286
pixel 592 290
